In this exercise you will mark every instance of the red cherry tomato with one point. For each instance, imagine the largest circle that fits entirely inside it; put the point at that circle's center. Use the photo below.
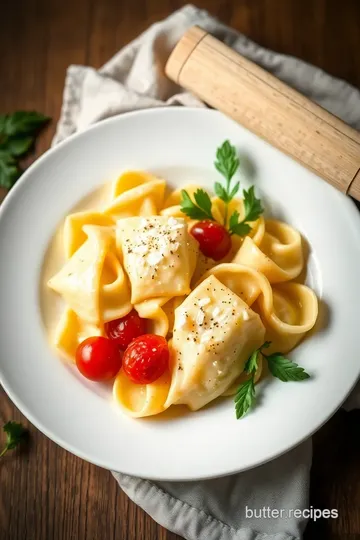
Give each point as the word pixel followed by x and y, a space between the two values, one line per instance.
pixel 98 358
pixel 146 359
pixel 124 330
pixel 214 239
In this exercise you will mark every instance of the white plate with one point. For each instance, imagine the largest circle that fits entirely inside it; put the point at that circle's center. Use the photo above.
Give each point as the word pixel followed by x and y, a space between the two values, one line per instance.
pixel 178 144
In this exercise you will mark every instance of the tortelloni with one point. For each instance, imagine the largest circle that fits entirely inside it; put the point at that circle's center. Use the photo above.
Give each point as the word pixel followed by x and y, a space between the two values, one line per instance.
pixel 214 334
pixel 158 254
pixel 138 253
pixel 93 282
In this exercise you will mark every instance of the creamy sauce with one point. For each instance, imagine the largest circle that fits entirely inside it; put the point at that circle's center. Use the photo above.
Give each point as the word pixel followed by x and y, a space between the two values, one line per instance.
pixel 51 303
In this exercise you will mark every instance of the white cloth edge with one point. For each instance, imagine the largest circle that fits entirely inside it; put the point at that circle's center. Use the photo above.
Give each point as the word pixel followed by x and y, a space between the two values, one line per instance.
pixel 147 495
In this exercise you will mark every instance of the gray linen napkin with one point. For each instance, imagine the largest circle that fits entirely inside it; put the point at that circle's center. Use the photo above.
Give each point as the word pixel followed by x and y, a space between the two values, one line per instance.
pixel 221 509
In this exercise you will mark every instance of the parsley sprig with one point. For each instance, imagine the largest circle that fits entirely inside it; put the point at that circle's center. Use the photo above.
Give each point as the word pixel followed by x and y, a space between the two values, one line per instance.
pixel 253 210
pixel 17 135
pixel 227 163
pixel 14 434
pixel 200 209
pixel 279 366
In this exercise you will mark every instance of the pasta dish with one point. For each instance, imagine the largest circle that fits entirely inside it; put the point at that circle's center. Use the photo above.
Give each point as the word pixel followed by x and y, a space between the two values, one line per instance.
pixel 184 297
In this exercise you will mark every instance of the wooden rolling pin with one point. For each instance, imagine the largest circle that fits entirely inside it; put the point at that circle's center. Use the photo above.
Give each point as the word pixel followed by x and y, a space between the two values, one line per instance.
pixel 227 81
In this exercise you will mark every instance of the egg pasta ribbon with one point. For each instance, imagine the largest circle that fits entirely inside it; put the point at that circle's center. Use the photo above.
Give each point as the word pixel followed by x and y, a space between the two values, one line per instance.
pixel 70 331
pixel 136 193
pixel 140 400
pixel 278 254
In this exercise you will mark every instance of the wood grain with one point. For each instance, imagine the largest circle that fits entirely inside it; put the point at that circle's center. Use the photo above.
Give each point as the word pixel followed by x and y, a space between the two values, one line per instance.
pixel 271 109
pixel 45 492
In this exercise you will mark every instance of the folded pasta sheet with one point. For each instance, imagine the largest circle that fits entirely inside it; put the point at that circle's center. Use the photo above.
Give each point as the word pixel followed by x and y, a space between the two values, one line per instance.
pixel 92 282
pixel 71 331
pixel 214 334
pixel 159 256
pixel 136 193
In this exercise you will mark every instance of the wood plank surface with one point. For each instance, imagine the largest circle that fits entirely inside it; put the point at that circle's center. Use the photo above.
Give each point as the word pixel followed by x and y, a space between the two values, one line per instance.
pixel 45 492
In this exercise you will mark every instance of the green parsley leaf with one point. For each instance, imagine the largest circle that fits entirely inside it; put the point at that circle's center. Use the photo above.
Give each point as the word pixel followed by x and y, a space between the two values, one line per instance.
pixel 17 135
pixel 240 228
pixel 234 190
pixel 284 369
pixel 245 397
pixel 253 210
pixel 14 434
pixel 227 161
pixel 203 201
pixel 252 205
pixel 9 170
pixel 22 123
pixel 17 146
pixel 252 362
pixel 234 219
pixel 201 210
pixel 220 191
pixel 245 394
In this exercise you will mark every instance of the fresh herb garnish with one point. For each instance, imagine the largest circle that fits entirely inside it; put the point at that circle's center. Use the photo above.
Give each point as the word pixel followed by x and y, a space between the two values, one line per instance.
pixel 245 397
pixel 279 366
pixel 253 210
pixel 17 135
pixel 14 435
pixel 241 228
pixel 9 170
pixel 284 369
pixel 245 394
pixel 227 163
pixel 252 363
pixel 200 209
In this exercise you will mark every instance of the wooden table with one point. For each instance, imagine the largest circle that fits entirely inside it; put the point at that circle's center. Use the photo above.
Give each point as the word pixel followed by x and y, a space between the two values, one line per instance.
pixel 45 492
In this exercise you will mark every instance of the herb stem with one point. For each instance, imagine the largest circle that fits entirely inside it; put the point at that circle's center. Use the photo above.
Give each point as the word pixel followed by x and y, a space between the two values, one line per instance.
pixel 228 180
pixel 3 451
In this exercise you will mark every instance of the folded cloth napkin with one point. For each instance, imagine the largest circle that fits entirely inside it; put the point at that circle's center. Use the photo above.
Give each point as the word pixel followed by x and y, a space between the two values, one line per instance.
pixel 221 509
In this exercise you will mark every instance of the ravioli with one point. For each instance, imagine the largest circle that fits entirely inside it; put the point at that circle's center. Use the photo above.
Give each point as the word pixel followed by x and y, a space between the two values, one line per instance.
pixel 215 332
pixel 159 256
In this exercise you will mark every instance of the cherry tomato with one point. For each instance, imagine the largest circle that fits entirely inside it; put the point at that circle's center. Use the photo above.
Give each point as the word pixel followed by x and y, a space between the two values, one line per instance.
pixel 124 330
pixel 146 358
pixel 214 239
pixel 98 358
